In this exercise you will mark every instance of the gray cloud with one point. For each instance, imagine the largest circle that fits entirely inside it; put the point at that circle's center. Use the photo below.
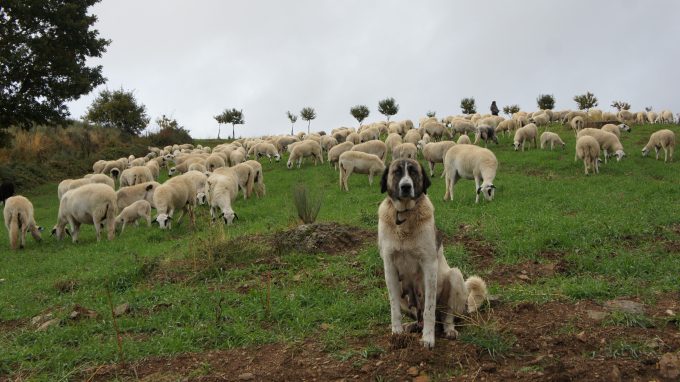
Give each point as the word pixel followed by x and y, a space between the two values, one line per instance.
pixel 266 57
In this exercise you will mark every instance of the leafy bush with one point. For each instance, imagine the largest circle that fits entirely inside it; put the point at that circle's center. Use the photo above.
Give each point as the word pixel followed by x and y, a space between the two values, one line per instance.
pixel 467 105
pixel 545 101
pixel 306 204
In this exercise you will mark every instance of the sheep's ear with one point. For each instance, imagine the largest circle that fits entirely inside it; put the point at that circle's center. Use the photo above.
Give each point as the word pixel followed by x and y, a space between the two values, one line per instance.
pixel 149 187
pixel 54 231
pixel 67 231
pixel 383 180
pixel 169 217
pixel 40 228
pixel 235 216
pixel 426 179
pixel 492 186
pixel 479 189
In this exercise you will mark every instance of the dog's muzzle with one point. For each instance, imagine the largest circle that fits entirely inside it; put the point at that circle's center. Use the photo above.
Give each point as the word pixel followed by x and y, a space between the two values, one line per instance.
pixel 406 188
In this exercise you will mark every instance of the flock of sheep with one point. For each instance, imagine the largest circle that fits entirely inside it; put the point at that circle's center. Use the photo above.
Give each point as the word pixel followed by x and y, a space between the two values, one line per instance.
pixel 214 176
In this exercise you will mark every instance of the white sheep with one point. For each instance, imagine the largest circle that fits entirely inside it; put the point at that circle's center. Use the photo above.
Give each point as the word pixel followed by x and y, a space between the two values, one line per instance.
pixel 541 119
pixel 198 167
pixel 507 126
pixel 265 149
pixel 327 142
pixel 354 138
pixel 485 133
pixel 222 191
pixel 215 160
pixel 524 134
pixel 577 123
pixel 661 139
pixel 135 175
pixel 377 148
pixel 412 136
pixel 128 195
pixel 588 149
pixel 405 150
pixel 609 143
pixel 302 150
pixel 470 162
pixel 283 142
pixel 131 214
pixel 237 156
pixel 335 151
pixel 464 140
pixel 434 152
pixel 369 134
pixel 615 129
pixel 89 204
pixel 176 193
pixel 245 175
pixel 154 166
pixel 651 117
pixel 137 162
pixel 18 214
pixel 359 162
pixel 435 129
pixel 552 138
pixel 258 178
pixel 392 140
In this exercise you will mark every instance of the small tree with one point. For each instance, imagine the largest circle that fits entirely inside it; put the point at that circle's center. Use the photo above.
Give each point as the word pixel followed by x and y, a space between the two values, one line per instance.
pixel 467 105
pixel 360 112
pixel 431 114
pixel 621 105
pixel 233 116
pixel 308 114
pixel 585 101
pixel 118 109
pixel 648 109
pixel 388 107
pixel 220 120
pixel 511 109
pixel 292 118
pixel 545 101
pixel 170 132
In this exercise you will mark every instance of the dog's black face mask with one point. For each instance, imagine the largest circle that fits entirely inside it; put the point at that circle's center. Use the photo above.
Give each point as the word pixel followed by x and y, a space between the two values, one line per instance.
pixel 404 179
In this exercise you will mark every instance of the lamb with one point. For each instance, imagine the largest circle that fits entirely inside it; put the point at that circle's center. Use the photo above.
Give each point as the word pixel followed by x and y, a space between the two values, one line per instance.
pixel 18 214
pixel 89 204
pixel 258 178
pixel 434 153
pixel 470 162
pixel 551 138
pixel 405 150
pixel 392 140
pixel 6 190
pixel 609 143
pixel 334 153
pixel 577 123
pixel 485 133
pixel 615 129
pixel 378 148
pixel 128 195
pixel 359 162
pixel 266 149
pixel 464 140
pixel 588 150
pixel 305 149
pixel 131 214
pixel 135 175
pixel 222 191
pixel 661 139
pixel 176 193
pixel 526 133
pixel 215 161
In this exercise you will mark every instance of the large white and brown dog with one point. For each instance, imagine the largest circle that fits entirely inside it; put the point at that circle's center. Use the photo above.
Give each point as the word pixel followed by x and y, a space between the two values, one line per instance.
pixel 419 280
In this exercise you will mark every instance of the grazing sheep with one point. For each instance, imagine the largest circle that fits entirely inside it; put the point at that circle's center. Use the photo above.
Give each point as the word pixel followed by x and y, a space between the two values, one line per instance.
pixel 526 133
pixel 462 127
pixel 128 195
pixel 182 164
pixel 359 162
pixel 98 166
pixel 237 156
pixel 135 175
pixel 155 167
pixel 327 142
pixel 267 149
pixel 222 191
pixel 640 117
pixel 369 134
pixel 651 116
pixel 436 130
pixel 470 162
pixel 199 179
pixel 392 140
pixel 609 143
pixel 6 190
pixel 258 178
pixel 541 119
pixel 88 204
pixel 485 133
pixel 137 162
pixel 666 116
pixel 354 138
pixel 405 150
pixel 18 214
pixel 434 153
pixel 588 150
pixel 244 174
pixel 302 150
pixel 283 142
pixel 198 167
pixel 334 153
pixel 113 167
pixel 577 123
pixel 131 214
pixel 507 126
pixel 176 193
pixel 551 138
pixel 378 148
pixel 615 129
pixel 412 136
pixel 661 139
pixel 70 184
pixel 464 140
pixel 215 161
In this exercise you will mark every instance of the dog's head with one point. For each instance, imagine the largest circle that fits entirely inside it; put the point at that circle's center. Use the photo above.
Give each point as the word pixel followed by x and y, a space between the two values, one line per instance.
pixel 404 179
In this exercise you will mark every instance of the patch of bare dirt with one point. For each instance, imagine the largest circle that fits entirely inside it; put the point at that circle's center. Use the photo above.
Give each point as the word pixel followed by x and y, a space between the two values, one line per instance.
pixel 327 237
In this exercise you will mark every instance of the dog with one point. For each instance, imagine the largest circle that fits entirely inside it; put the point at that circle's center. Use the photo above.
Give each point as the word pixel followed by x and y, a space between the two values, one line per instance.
pixel 418 278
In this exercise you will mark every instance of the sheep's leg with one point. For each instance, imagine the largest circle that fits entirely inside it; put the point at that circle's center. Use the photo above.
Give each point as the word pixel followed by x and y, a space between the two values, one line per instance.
pixel 111 225
pixel 24 228
pixel 657 152
pixel 597 166
pixel 348 172
pixel 122 228
pixel 665 154
pixel 431 164
pixel 454 179
pixel 97 227
pixel 446 183
pixel 477 185
pixel 75 227
pixel 148 220
pixel 585 164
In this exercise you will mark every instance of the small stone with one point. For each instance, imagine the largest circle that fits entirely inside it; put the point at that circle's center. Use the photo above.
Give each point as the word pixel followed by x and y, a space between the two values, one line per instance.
pixel 366 368
pixel 524 277
pixel 494 300
pixel 596 315
pixel 46 325
pixel 297 277
pixel 670 312
pixel 121 309
pixel 421 378
pixel 81 312
pixel 625 306
pixel 582 337
pixel 378 363
pixel 2 280
pixel 246 377
pixel 615 374
pixel 669 366
pixel 489 367
pixel 325 326
pixel 37 320
pixel 412 371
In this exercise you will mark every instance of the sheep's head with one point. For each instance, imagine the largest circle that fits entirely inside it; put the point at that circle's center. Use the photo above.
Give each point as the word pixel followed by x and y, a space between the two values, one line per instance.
pixel 228 217
pixel 201 198
pixel 59 231
pixel 619 154
pixel 624 127
pixel 289 164
pixel 645 151
pixel 164 221
pixel 277 157
pixel 488 190
pixel 172 171
pixel 516 145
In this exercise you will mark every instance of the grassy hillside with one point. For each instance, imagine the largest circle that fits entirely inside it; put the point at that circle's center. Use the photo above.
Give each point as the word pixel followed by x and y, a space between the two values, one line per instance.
pixel 214 287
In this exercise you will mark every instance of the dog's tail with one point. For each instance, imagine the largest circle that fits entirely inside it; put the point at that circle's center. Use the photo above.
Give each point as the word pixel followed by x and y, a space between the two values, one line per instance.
pixel 477 293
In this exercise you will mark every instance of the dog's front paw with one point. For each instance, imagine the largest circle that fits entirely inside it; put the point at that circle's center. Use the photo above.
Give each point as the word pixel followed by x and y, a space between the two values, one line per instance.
pixel 451 333
pixel 397 329
pixel 428 342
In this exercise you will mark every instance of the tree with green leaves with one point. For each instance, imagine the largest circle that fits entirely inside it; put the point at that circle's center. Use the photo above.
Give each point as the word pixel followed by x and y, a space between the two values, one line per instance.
pixel 467 105
pixel 510 109
pixel 233 116
pixel 45 46
pixel 118 109
pixel 388 107
pixel 545 101
pixel 585 101
pixel 431 113
pixel 170 132
pixel 292 118
pixel 308 114
pixel 220 120
pixel 621 105
pixel 360 112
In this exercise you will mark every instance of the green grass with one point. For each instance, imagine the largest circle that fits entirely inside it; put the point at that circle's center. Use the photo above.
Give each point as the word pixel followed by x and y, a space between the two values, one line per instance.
pixel 613 229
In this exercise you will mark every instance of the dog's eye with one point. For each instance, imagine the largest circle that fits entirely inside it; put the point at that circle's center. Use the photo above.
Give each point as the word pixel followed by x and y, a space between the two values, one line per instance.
pixel 398 171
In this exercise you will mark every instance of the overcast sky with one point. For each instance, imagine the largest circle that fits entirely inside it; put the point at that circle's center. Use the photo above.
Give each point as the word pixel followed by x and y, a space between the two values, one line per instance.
pixel 191 60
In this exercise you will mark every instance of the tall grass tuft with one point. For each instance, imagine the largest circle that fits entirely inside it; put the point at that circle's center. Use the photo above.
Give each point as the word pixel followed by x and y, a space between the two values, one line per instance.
pixel 306 203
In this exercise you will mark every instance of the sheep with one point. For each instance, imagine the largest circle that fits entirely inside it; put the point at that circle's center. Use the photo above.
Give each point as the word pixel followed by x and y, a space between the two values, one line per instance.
pixel 198 167
pixel 128 195
pixel 214 161
pixel 18 214
pixel 464 140
pixel 436 130
pixel 588 150
pixel 114 167
pixel 131 214
pixel 334 153
pixel 137 162
pixel 70 184
pixel 327 142
pixel 412 136
pixel 341 134
pixel 98 166
pixel 392 140
pixel 155 167
pixel 651 117
pixel 244 174
pixel 182 164
pixel 266 149
pixel 462 126
pixel 199 179
pixel 377 148
pixel 485 133
pixel 405 150
pixel 135 175
pixel 609 143
pixel 354 138
pixel 551 138
pixel 369 134
pixel 615 129
pixel 661 139
pixel 302 150
pixel 89 204
pixel 258 177
pixel 470 162
pixel 541 119
pixel 222 191
pixel 526 133
pixel 666 116
pixel 624 116
pixel 237 156
pixel 434 153
pixel 359 162
pixel 595 115
pixel 507 126
pixel 577 123
pixel 640 117
pixel 176 193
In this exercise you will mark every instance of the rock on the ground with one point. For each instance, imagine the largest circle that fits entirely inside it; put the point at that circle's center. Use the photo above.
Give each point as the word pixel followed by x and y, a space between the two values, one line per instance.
pixel 582 337
pixel 412 371
pixel 246 377
pixel 625 306
pixel 47 324
pixel 421 378
pixel 40 319
pixel 121 309
pixel 669 366
pixel 596 315
pixel 615 374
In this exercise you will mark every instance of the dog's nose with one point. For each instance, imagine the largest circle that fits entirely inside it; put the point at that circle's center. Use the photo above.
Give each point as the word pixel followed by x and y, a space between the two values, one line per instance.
pixel 405 188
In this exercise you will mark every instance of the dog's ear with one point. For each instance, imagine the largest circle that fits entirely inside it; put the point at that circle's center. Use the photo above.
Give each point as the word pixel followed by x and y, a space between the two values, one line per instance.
pixel 426 179
pixel 383 180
